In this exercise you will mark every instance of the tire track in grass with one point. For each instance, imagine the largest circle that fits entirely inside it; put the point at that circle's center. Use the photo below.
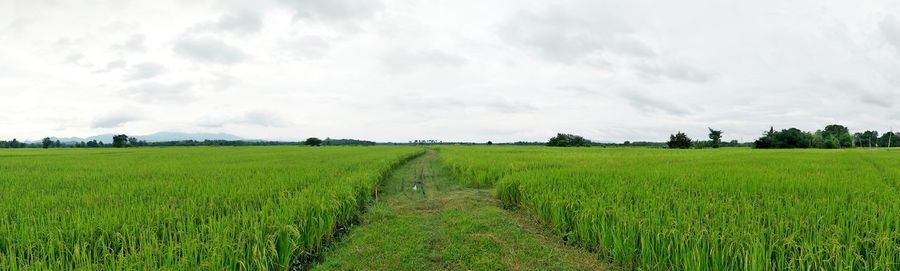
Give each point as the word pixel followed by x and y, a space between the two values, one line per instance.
pixel 425 220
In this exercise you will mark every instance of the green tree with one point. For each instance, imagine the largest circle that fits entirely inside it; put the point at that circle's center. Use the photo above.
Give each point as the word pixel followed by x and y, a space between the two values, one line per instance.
pixel 313 141
pixel 568 140
pixel 715 137
pixel 838 133
pixel 869 139
pixel 46 142
pixel 133 141
pixel 888 140
pixel 120 141
pixel 679 141
pixel 792 138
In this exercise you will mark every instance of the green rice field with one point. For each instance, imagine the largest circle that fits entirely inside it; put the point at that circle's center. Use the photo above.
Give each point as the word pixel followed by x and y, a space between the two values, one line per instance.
pixel 250 208
pixel 271 208
pixel 714 209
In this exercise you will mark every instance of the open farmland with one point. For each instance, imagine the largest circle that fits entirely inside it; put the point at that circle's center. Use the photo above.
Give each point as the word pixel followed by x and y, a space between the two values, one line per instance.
pixel 723 209
pixel 181 208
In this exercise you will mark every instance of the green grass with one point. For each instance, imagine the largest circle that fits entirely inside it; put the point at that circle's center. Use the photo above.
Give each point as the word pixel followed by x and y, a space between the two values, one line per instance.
pixel 716 209
pixel 265 207
pixel 448 227
pixel 181 208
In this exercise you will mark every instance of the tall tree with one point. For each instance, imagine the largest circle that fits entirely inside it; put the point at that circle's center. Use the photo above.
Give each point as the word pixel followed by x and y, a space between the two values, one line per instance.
pixel 838 134
pixel 888 140
pixel 313 141
pixel 869 139
pixel 120 141
pixel 46 142
pixel 133 141
pixel 679 141
pixel 715 137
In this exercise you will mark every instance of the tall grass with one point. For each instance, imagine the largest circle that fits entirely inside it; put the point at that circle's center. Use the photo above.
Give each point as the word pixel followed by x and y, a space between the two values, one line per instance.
pixel 180 208
pixel 725 209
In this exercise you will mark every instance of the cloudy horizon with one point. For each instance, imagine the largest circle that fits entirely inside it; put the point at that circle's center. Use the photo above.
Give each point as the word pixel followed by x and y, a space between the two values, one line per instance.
pixel 399 70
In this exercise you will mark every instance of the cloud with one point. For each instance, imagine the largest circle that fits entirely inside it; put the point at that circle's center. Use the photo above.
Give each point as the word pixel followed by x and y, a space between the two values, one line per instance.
pixel 74 58
pixel 160 93
pixel 451 104
pixel 239 21
pixel 134 43
pixel 561 37
pixel 253 118
pixel 882 100
pixel 656 71
pixel 841 86
pixel 890 29
pixel 146 70
pixel 652 104
pixel 114 119
pixel 578 90
pixel 112 65
pixel 209 50
pixel 334 11
pixel 306 47
pixel 17 26
pixel 222 81
pixel 402 61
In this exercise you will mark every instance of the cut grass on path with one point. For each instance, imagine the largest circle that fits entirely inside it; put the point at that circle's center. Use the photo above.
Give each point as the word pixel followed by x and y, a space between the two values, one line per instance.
pixel 425 220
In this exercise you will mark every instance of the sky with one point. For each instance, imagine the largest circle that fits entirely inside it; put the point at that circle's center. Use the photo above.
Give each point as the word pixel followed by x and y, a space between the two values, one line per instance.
pixel 449 70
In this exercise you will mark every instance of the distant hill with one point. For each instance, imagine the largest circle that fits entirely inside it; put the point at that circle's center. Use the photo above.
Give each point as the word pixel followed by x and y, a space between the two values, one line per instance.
pixel 156 137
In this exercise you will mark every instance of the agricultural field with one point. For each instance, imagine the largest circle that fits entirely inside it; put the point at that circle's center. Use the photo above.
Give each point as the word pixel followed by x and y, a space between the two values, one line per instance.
pixel 217 208
pixel 713 209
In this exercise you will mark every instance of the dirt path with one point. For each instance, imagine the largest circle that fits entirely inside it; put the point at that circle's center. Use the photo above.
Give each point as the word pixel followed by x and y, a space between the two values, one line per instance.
pixel 424 220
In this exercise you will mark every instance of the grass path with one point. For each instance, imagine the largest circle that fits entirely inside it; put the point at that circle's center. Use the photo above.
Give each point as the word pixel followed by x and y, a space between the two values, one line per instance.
pixel 424 220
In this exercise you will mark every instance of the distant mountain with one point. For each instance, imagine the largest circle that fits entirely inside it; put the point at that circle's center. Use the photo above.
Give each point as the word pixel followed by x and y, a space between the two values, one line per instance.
pixel 175 136
pixel 156 137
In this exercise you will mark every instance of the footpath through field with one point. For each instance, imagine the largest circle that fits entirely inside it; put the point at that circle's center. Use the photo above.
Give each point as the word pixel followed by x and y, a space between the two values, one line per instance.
pixel 424 220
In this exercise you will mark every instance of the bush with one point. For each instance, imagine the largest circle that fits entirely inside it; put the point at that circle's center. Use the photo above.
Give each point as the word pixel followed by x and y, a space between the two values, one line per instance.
pixel 568 140
pixel 679 141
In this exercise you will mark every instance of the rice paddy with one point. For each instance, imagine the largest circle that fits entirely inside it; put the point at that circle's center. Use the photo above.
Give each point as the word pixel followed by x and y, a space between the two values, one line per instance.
pixel 269 208
pixel 246 208
pixel 722 209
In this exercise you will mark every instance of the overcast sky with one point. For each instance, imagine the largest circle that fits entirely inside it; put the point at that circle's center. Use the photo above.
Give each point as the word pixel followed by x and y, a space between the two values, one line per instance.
pixel 397 70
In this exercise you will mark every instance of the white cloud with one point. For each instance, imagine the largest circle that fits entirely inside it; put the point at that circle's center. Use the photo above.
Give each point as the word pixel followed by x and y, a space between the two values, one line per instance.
pixel 405 60
pixel 500 70
pixel 114 119
pixel 155 92
pixel 238 21
pixel 559 36
pixel 209 50
pixel 890 28
pixel 251 118
pixel 134 43
pixel 652 105
pixel 146 70
pixel 333 10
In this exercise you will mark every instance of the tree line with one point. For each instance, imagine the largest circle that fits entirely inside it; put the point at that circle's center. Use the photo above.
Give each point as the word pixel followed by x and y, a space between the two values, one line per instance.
pixel 125 141
pixel 833 136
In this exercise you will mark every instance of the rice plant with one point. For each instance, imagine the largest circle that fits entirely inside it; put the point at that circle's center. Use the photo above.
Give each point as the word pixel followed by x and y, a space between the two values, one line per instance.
pixel 716 209
pixel 181 208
